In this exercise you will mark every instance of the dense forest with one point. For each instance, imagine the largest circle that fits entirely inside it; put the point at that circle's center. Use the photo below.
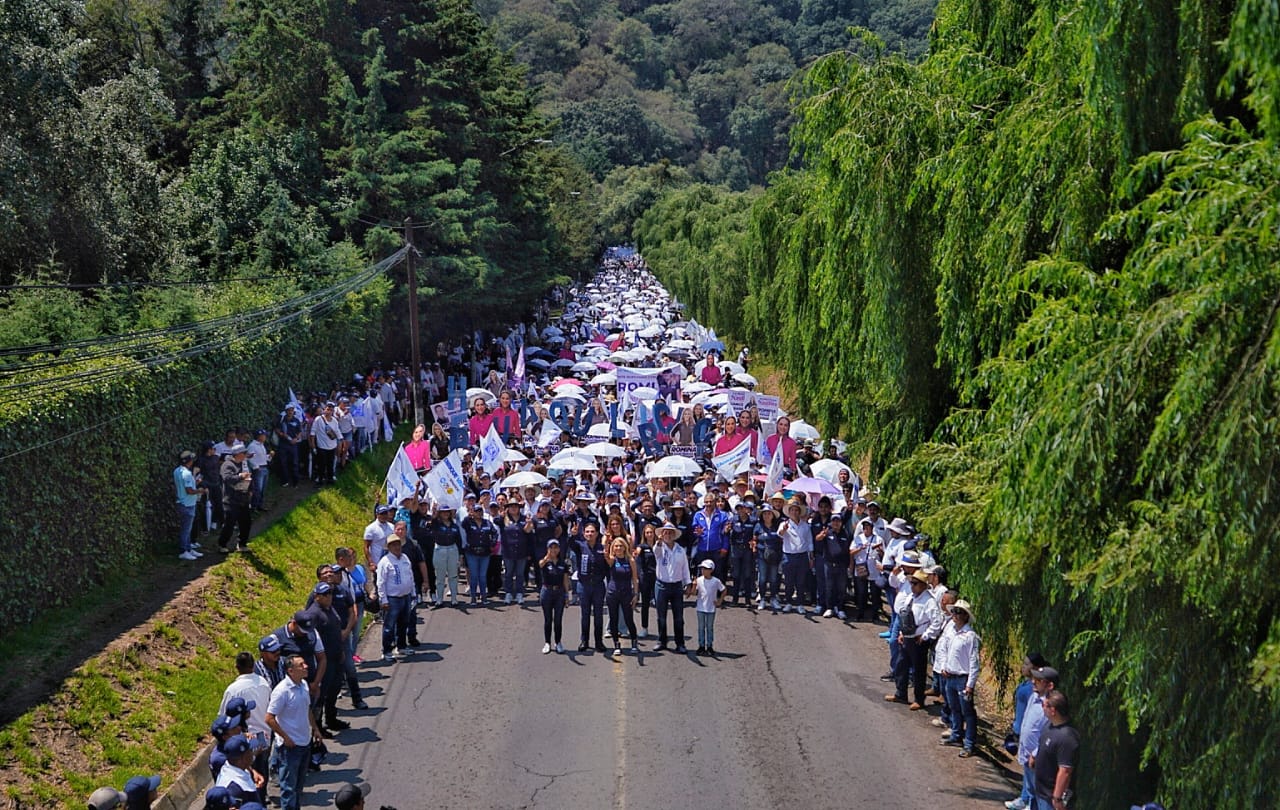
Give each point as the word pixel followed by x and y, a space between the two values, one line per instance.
pixel 704 85
pixel 1035 276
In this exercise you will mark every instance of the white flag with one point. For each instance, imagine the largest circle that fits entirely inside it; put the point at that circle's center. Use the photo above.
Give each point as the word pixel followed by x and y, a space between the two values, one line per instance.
pixel 550 433
pixel 773 477
pixel 387 431
pixel 402 478
pixel 728 463
pixel 491 448
pixel 445 482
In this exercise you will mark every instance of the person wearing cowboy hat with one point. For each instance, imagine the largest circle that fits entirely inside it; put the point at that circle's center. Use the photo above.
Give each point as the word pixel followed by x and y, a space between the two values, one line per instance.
pixel 237 484
pixel 920 622
pixel 673 581
pixel 897 583
pixel 797 555
pixel 956 659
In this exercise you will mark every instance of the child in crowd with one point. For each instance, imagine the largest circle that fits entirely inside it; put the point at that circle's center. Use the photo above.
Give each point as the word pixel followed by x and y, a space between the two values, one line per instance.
pixel 710 595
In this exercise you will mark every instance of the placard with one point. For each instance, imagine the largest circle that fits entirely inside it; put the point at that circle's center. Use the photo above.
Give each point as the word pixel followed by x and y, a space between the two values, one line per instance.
pixel 768 407
pixel 685 450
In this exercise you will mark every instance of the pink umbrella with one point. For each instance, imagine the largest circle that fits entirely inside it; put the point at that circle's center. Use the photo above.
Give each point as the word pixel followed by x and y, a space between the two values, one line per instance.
pixel 567 381
pixel 605 365
pixel 813 486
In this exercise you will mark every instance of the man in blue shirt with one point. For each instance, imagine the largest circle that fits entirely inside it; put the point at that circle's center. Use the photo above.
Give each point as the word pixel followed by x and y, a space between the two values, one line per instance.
pixel 708 526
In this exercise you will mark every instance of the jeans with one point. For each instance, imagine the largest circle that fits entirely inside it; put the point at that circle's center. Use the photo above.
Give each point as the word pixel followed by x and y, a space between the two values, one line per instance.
pixel 290 766
pixel 477 574
pixel 895 649
pixel 592 605
pixel 706 629
pixel 186 519
pixel 619 603
pixel 670 595
pixel 353 640
pixel 794 569
pixel 964 716
pixel 553 601
pixel 741 561
pixel 396 615
pixel 259 487
pixel 513 575
pixel 1028 794
pixel 767 577
pixel 819 581
pixel 446 560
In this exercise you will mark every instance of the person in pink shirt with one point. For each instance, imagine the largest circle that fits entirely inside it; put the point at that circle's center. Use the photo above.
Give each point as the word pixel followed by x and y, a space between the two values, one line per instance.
pixel 782 438
pixel 711 373
pixel 419 450
pixel 480 420
pixel 730 436
pixel 505 419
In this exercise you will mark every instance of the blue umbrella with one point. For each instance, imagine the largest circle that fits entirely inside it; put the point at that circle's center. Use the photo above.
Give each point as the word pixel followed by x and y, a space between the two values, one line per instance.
pixel 713 344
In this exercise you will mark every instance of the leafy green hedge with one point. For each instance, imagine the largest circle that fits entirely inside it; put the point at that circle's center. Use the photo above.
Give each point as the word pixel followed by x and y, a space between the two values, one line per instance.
pixel 85 476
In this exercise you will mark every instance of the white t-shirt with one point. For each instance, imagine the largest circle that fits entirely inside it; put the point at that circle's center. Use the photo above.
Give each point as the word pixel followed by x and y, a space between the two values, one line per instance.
pixel 376 534
pixel 708 589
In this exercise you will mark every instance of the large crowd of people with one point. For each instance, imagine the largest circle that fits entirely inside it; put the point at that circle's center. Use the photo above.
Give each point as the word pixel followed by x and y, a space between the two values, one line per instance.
pixel 637 470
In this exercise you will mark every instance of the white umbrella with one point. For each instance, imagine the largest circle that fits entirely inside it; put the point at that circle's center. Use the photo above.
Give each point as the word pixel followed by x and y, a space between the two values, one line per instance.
pixel 644 393
pixel 488 396
pixel 607 378
pixel 523 479
pixel 673 467
pixel 746 379
pixel 575 461
pixel 801 429
pixel 538 362
pixel 696 387
pixel 552 331
pixel 562 363
pixel 687 345
pixel 731 367
pixel 583 367
pixel 511 454
pixel 829 469
pixel 604 449
pixel 570 392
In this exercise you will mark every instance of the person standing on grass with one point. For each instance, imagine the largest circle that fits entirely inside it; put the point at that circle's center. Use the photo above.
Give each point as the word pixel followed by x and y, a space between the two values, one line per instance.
pixel 188 496
pixel 289 716
pixel 288 436
pixel 710 596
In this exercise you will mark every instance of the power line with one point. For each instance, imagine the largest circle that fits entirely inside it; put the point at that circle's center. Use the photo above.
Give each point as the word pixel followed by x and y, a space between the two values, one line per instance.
pixel 96 285
pixel 316 303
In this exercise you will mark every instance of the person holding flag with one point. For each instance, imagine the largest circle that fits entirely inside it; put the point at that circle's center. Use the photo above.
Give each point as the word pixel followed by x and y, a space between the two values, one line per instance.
pixel 491 448
pixel 402 479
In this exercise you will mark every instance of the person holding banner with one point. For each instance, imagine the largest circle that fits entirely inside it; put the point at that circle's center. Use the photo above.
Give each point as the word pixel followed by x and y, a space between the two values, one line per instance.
pixel 782 439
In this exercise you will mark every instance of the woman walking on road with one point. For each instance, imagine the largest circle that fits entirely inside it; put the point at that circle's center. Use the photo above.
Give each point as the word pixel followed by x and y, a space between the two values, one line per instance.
pixel 555 589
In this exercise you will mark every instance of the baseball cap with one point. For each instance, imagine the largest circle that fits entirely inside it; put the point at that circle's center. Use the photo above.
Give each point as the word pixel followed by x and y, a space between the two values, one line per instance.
pixel 708 564
pixel 349 796
pixel 269 644
pixel 106 798
pixel 383 509
pixel 221 726
pixel 218 798
pixel 1045 674
pixel 238 706
pixel 235 746
pixel 303 619
pixel 322 588
pixel 139 789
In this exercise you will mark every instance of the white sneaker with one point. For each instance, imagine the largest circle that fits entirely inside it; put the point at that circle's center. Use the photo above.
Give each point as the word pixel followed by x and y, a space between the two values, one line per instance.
pixel 559 647
pixel 1015 804
pixel 828 614
pixel 187 555
pixel 196 546
pixel 509 599
pixel 643 633
pixel 760 603
pixel 546 648
pixel 786 608
pixel 519 599
pixel 840 614
pixel 775 604
pixel 197 553
pixel 800 610
pixel 817 610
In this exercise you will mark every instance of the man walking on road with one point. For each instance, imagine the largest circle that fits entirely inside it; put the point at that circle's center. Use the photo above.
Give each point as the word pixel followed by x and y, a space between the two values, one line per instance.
pixel 289 716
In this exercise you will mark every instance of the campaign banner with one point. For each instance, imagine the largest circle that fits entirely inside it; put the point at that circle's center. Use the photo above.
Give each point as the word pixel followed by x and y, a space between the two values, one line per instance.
pixel 768 407
pixel 739 398
pixel 589 439
pixel 665 381
pixel 685 450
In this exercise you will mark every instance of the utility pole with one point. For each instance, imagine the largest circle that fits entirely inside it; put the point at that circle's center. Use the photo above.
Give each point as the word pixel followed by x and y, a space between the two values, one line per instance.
pixel 415 356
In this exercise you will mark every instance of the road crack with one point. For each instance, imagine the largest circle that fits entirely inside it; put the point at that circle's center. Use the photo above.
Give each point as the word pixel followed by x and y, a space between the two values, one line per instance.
pixel 421 692
pixel 550 777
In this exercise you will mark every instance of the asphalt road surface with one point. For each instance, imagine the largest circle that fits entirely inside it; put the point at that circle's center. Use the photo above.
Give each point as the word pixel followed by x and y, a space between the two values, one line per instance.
pixel 790 714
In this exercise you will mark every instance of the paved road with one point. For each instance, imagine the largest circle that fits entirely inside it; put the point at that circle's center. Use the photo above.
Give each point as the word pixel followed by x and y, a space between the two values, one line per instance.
pixel 790 715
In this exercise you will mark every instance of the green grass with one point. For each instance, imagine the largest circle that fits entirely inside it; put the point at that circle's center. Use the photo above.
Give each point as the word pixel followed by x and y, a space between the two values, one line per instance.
pixel 145 705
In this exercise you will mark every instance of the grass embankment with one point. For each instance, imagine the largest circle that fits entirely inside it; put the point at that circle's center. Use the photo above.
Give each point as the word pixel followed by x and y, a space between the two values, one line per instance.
pixel 145 703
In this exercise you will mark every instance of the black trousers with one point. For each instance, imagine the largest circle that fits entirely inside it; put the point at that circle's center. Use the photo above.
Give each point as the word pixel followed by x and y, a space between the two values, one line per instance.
pixel 910 668
pixel 235 516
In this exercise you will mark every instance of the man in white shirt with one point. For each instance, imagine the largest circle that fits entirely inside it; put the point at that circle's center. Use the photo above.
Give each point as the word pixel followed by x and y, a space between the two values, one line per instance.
pixel 920 623
pixel 797 556
pixel 376 534
pixel 259 464
pixel 377 410
pixel 673 582
pixel 395 592
pixel 289 716
pixel 238 775
pixel 956 658
pixel 250 693
pixel 325 435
